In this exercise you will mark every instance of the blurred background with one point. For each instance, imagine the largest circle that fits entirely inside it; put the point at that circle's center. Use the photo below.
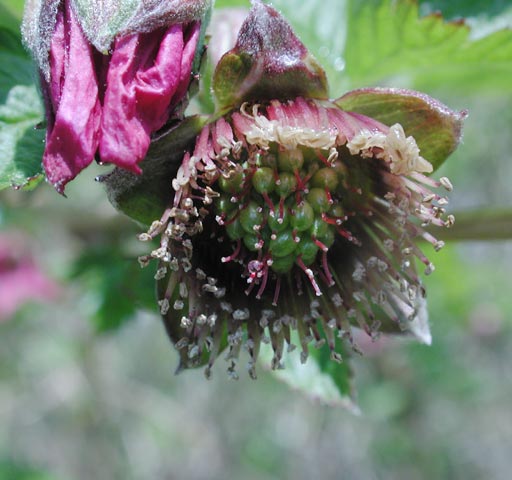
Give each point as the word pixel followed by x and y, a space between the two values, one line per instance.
pixel 87 384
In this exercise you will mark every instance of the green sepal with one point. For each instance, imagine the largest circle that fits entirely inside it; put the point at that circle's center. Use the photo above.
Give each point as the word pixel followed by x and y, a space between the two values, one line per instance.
pixel 144 197
pixel 104 20
pixel 436 128
pixel 267 62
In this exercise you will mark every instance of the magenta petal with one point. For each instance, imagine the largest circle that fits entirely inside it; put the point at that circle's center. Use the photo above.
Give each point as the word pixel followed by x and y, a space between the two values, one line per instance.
pixel 144 75
pixel 189 51
pixel 72 136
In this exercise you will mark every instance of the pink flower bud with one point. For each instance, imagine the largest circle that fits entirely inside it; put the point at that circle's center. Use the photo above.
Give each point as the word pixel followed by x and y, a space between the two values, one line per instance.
pixel 109 104
pixel 148 76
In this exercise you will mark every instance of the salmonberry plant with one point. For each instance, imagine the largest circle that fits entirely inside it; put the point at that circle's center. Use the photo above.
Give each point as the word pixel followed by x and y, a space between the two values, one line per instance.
pixel 279 213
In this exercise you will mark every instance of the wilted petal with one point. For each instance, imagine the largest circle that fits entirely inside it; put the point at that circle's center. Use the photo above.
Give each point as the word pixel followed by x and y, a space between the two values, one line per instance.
pixel 192 33
pixel 110 101
pixel 147 73
pixel 75 111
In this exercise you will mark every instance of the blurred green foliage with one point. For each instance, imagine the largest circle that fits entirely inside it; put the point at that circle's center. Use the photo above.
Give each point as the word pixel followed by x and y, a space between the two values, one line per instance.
pixel 119 284
pixel 12 471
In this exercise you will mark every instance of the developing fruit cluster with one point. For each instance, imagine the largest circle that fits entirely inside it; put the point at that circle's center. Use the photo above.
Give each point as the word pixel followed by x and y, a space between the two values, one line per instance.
pixel 294 219
pixel 285 206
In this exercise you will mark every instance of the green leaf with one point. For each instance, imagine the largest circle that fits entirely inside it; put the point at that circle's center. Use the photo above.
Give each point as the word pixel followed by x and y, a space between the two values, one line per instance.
pixel 387 42
pixel 464 8
pixel 145 197
pixel 21 144
pixel 436 129
pixel 322 26
pixel 8 19
pixel 267 62
pixel 231 3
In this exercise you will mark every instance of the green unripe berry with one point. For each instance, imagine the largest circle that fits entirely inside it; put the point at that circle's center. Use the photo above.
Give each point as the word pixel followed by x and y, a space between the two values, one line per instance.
pixel 307 249
pixel 286 184
pixel 263 180
pixel 224 205
pixel 290 160
pixel 328 238
pixel 303 216
pixel 250 241
pixel 310 157
pixel 234 229
pixel 251 216
pixel 283 264
pixel 268 160
pixel 325 178
pixel 283 244
pixel 232 184
pixel 340 169
pixel 319 228
pixel 277 223
pixel 336 211
pixel 318 199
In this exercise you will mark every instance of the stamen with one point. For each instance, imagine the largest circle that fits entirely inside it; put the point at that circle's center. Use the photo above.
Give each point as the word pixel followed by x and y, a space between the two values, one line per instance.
pixel 263 283
pixel 280 218
pixel 329 196
pixel 310 275
pixel 234 255
pixel 445 182
pixel 268 201
pixel 327 272
pixel 325 161
pixel 276 292
pixel 424 180
pixel 319 244
pixel 348 235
